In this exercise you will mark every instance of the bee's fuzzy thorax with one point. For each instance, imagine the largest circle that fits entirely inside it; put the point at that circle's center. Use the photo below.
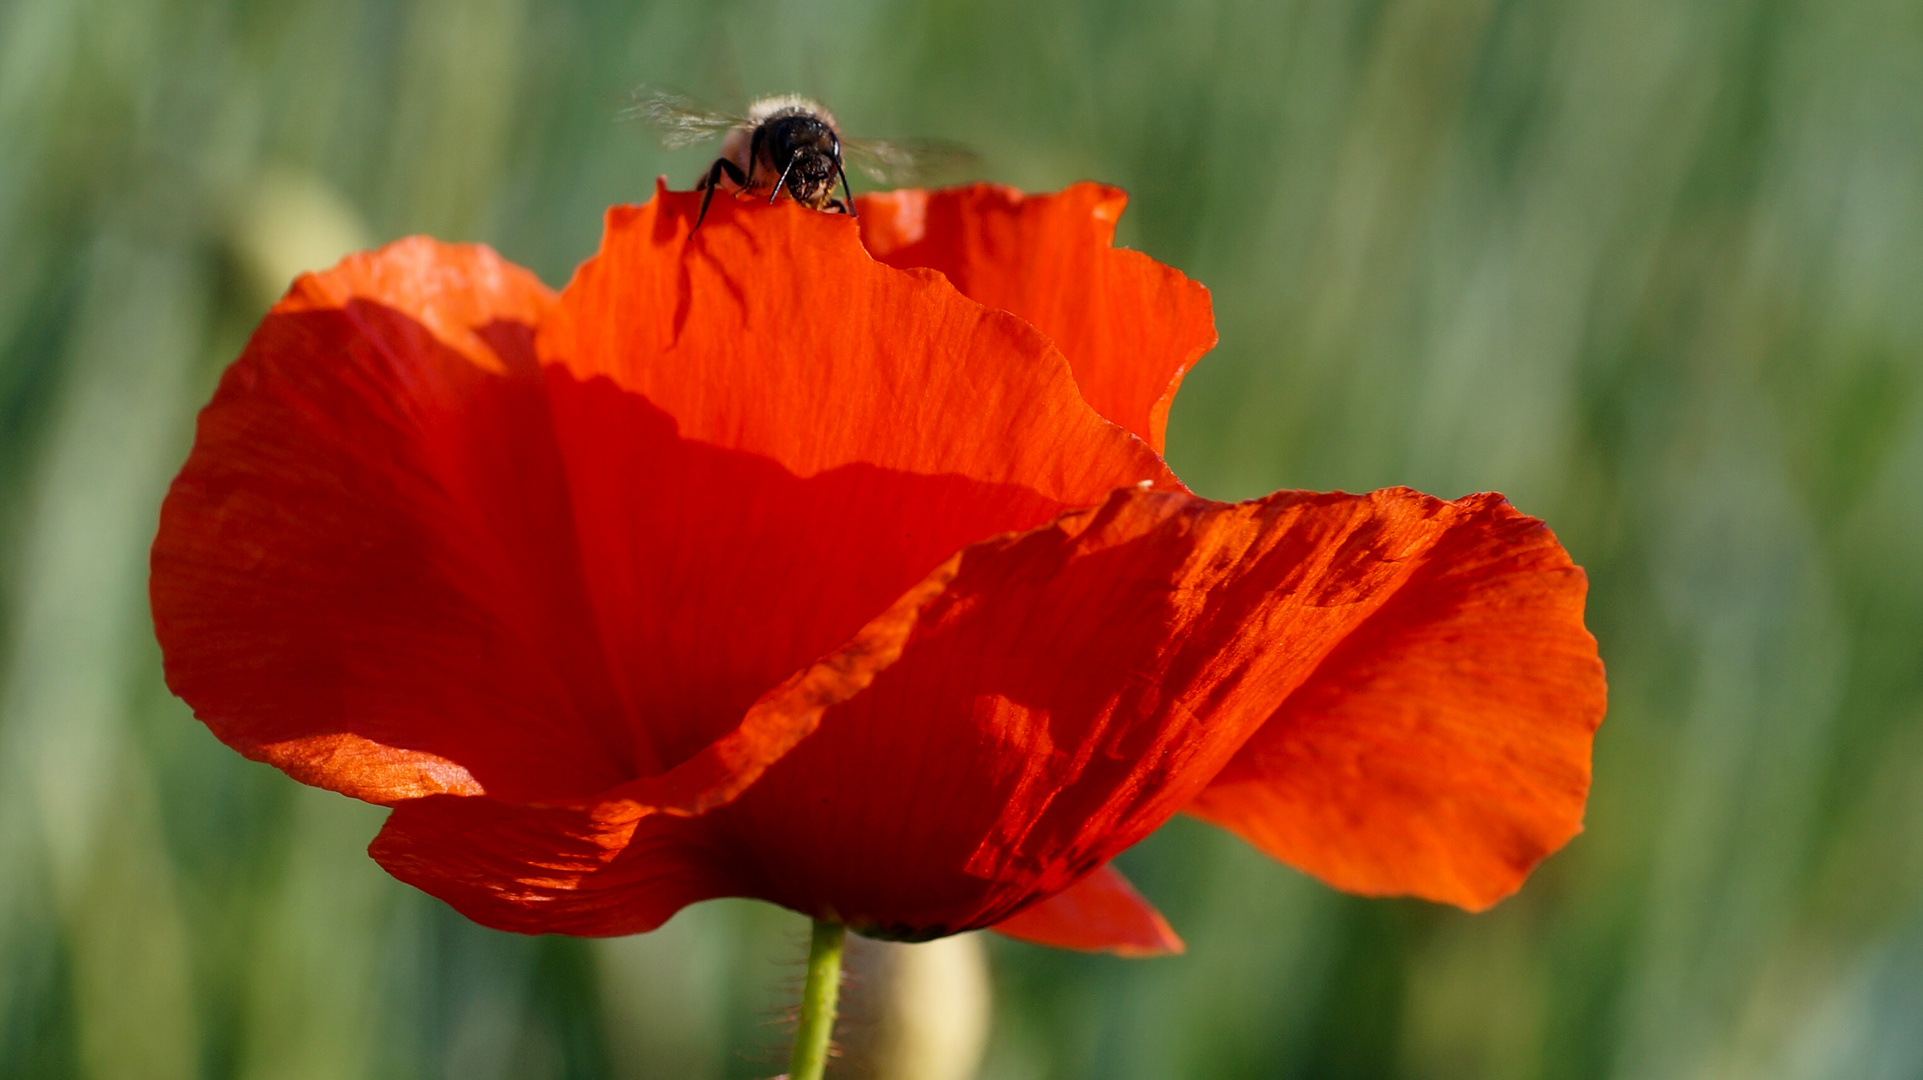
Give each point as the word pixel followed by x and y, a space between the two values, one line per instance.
pixel 767 108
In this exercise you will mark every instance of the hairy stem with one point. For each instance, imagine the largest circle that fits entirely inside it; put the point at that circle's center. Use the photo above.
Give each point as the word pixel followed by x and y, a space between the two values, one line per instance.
pixel 810 1056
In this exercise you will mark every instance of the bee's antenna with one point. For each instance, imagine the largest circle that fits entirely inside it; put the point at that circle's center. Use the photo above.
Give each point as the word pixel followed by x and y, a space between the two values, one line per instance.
pixel 783 182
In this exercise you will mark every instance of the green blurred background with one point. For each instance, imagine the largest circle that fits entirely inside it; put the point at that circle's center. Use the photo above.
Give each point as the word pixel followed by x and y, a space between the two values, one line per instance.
pixel 1653 268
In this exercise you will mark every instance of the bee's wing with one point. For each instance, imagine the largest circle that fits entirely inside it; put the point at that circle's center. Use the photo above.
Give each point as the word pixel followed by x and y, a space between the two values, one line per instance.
pixel 906 161
pixel 681 121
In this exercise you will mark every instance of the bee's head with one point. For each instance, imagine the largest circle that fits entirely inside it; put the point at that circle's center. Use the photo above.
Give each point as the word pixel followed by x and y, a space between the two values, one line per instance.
pixel 806 148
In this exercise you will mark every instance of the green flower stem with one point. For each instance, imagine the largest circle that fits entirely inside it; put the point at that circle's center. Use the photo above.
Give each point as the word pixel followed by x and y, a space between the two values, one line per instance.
pixel 810 1055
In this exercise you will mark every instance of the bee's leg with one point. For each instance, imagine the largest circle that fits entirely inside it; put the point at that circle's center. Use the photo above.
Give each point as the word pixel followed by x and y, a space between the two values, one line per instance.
pixel 721 165
pixel 847 204
pixel 754 154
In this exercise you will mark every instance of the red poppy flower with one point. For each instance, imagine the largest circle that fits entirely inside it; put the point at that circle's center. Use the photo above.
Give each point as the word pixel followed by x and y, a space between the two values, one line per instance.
pixel 836 564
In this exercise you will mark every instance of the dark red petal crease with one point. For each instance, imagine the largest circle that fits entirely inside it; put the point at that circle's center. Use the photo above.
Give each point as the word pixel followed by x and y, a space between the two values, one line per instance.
pixel 619 863
pixel 1442 750
pixel 1100 913
pixel 1129 325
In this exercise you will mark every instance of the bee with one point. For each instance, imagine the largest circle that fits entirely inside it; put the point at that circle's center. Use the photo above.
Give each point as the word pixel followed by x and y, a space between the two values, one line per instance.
pixel 787 143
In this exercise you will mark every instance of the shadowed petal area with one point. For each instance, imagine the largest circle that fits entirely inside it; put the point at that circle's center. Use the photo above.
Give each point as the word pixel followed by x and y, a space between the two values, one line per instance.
pixel 1442 749
pixel 366 572
pixel 1100 913
pixel 625 861
pixel 770 437
pixel 1070 689
pixel 1129 325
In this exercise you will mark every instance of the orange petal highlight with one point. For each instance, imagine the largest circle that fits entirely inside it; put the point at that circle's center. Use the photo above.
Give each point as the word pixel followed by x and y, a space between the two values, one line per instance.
pixel 1442 749
pixel 1129 326
pixel 1100 913
pixel 463 294
pixel 1067 692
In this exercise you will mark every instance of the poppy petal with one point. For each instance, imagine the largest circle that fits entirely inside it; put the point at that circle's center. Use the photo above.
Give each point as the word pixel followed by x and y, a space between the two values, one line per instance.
pixel 1442 748
pixel 770 437
pixel 1130 326
pixel 1100 913
pixel 1068 691
pixel 365 573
